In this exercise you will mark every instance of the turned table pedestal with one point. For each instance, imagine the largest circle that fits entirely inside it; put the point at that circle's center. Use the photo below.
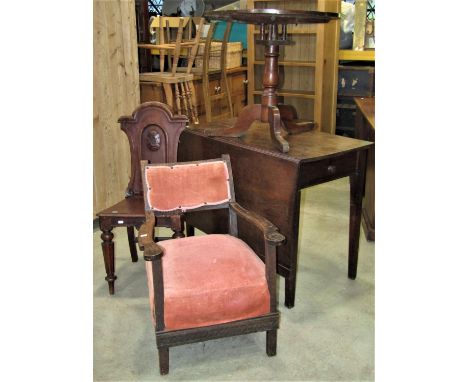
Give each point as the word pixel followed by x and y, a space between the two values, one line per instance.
pixel 281 119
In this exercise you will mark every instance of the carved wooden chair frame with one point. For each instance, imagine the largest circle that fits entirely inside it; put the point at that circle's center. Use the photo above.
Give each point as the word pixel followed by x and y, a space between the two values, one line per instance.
pixel 153 253
pixel 153 125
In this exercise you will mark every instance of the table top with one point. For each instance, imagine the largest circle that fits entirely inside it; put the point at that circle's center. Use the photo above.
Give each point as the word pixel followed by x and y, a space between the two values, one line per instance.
pixel 305 147
pixel 367 107
pixel 272 16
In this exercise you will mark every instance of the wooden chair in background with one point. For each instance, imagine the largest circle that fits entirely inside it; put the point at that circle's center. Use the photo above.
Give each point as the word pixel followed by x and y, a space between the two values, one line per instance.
pixel 222 92
pixel 209 286
pixel 177 84
pixel 153 135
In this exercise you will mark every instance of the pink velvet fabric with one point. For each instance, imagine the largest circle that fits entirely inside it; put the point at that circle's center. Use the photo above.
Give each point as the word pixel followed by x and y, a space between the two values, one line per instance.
pixel 187 186
pixel 209 280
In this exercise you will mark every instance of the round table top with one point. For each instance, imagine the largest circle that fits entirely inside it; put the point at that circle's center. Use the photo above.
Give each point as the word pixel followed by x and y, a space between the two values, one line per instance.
pixel 272 16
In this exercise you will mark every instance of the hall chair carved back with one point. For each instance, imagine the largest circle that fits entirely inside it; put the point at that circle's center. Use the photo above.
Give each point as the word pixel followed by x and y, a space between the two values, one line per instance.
pixel 153 135
pixel 209 286
pixel 178 86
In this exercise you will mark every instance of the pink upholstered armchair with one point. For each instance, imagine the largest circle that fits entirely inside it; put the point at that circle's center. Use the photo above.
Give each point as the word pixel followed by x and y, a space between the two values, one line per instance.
pixel 209 286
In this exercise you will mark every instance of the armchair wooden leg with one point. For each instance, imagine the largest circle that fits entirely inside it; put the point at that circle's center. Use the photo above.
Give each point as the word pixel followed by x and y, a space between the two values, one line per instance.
pixel 271 342
pixel 132 244
pixel 163 360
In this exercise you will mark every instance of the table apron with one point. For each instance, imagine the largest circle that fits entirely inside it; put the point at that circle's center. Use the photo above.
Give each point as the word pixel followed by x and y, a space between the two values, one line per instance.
pixel 119 221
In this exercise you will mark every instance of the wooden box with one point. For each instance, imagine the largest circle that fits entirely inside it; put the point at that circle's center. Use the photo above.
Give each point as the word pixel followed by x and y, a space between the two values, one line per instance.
pixel 345 116
pixel 356 81
pixel 233 57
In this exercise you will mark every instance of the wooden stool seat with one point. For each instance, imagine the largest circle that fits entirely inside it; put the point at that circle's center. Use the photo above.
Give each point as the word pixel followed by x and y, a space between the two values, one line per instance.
pixel 167 77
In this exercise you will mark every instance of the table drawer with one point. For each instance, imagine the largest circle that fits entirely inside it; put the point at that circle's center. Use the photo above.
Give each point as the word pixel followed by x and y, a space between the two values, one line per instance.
pixel 311 173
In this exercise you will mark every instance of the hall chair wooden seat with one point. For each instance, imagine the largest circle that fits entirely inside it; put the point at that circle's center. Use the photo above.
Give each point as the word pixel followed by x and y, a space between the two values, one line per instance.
pixel 179 91
pixel 153 134
pixel 209 286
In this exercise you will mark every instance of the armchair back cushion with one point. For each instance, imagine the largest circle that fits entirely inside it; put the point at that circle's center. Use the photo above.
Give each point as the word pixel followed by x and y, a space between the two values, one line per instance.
pixel 186 186
pixel 208 280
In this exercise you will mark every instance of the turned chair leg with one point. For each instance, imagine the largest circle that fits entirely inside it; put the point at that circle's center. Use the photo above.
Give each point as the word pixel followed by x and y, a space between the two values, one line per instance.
pixel 177 225
pixel 271 342
pixel 163 360
pixel 190 230
pixel 109 258
pixel 168 95
pixel 132 244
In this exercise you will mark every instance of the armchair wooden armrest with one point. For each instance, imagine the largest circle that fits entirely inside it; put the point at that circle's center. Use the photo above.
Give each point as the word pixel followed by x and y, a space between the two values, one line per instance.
pixel 269 230
pixel 153 252
pixel 146 239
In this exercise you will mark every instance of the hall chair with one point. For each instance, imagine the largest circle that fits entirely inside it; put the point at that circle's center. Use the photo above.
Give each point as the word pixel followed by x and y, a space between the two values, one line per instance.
pixel 209 286
pixel 153 134
pixel 179 91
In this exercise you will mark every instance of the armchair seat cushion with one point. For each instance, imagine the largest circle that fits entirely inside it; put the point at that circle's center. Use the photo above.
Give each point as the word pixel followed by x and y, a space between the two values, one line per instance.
pixel 208 280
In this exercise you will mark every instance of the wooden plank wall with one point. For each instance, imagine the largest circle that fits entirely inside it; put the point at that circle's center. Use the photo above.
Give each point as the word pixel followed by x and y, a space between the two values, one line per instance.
pixel 116 93
pixel 330 67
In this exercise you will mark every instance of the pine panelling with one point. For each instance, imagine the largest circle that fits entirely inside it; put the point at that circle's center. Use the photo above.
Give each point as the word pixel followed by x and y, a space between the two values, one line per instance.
pixel 330 68
pixel 116 93
pixel 251 76
pixel 319 80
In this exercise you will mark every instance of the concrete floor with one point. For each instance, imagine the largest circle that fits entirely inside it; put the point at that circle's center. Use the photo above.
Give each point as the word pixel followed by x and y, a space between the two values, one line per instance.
pixel 327 336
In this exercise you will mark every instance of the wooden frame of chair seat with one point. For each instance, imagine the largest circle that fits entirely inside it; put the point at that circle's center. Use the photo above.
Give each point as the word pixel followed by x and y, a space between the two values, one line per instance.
pixel 152 252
